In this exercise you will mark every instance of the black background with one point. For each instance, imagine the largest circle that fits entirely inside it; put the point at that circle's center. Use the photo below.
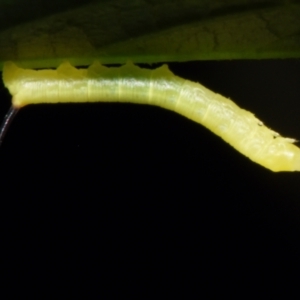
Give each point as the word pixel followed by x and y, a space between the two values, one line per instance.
pixel 117 199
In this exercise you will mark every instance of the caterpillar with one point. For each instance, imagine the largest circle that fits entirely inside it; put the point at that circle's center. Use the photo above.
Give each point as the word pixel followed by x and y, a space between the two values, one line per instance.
pixel 129 83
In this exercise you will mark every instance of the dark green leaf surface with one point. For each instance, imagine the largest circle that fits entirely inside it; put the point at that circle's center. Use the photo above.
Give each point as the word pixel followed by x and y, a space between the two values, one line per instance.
pixel 41 34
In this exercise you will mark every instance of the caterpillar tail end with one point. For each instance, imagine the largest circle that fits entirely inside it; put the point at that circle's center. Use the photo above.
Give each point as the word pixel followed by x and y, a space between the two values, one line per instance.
pixel 293 155
pixel 285 160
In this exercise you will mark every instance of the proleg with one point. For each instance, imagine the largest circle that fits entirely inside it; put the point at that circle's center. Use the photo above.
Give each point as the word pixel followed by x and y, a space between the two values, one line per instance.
pixel 129 83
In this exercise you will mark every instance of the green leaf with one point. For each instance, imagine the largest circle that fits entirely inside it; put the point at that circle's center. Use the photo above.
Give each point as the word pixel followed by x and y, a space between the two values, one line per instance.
pixel 40 34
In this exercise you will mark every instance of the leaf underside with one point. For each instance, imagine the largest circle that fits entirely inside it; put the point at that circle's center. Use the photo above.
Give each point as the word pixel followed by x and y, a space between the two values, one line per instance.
pixel 38 35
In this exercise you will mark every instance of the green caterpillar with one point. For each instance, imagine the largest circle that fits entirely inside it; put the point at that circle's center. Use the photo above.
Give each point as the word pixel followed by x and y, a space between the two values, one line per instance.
pixel 129 83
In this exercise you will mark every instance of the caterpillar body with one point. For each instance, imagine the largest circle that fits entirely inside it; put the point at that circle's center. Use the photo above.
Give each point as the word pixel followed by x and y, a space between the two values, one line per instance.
pixel 129 83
